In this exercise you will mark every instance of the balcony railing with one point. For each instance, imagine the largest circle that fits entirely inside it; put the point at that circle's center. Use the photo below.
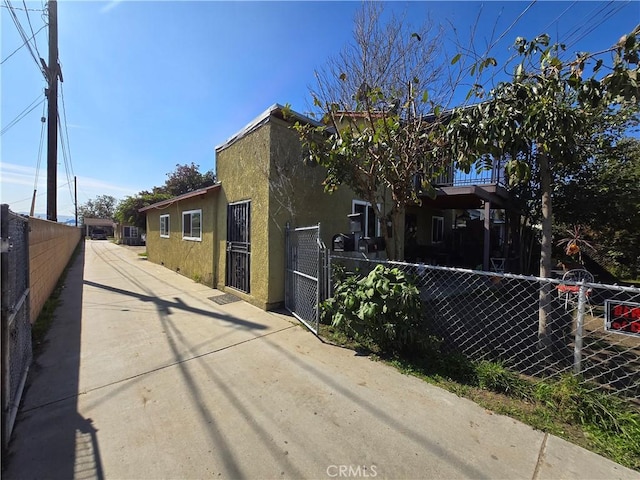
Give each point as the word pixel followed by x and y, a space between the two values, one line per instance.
pixel 453 177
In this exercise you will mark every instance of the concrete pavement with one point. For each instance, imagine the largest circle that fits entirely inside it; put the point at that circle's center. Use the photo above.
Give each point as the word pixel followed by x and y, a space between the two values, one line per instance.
pixel 143 376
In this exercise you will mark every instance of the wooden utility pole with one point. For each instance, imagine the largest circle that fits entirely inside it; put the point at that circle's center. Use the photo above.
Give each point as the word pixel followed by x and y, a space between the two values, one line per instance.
pixel 53 71
pixel 75 196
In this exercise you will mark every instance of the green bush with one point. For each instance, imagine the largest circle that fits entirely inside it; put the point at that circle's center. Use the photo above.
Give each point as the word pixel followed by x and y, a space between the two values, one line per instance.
pixel 495 377
pixel 382 310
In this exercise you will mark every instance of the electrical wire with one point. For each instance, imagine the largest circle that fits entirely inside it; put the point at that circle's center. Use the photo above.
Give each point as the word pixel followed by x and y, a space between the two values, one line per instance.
pixel 513 24
pixel 22 114
pixel 25 43
pixel 24 37
pixel 66 134
pixel 35 183
pixel 602 18
pixel 26 9
pixel 33 35
pixel 37 196
pixel 65 157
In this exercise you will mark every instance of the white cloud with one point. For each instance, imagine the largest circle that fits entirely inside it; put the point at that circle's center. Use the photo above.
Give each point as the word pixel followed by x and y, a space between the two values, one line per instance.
pixel 17 186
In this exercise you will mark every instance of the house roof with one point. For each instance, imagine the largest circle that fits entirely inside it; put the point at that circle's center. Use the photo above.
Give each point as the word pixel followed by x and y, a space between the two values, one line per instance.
pixel 184 196
pixel 275 110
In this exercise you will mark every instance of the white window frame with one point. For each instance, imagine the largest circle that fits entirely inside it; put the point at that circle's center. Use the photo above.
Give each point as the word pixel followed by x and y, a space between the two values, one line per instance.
pixel 365 224
pixel 191 237
pixel 437 227
pixel 134 229
pixel 167 226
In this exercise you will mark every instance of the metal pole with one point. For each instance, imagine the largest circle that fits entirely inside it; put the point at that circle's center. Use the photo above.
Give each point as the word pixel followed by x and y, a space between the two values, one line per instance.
pixel 318 282
pixel 577 345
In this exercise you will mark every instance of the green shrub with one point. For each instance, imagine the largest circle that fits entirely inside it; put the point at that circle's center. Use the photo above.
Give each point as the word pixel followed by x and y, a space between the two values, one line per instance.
pixel 382 309
pixel 495 377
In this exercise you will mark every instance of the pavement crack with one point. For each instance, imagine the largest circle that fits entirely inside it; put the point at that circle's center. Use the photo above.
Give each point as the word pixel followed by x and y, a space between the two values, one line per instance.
pixel 541 453
pixel 153 370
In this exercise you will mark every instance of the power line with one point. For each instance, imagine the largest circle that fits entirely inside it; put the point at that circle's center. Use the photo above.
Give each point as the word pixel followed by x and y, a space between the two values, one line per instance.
pixel 513 24
pixel 22 114
pixel 25 43
pixel 555 20
pixel 24 37
pixel 66 159
pixel 70 172
pixel 33 35
pixel 38 195
pixel 25 9
pixel 42 129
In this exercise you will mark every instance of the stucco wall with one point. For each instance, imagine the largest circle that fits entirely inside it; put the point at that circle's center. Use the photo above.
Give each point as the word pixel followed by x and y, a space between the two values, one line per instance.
pixel 242 168
pixel 51 245
pixel 298 197
pixel 191 258
pixel 266 167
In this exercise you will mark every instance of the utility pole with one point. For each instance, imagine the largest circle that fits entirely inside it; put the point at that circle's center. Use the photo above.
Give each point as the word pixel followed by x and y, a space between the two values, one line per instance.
pixel 75 196
pixel 53 71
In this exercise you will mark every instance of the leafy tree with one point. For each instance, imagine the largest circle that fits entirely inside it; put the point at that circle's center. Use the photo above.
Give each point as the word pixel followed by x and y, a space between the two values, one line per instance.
pixel 187 178
pixel 103 206
pixel 543 116
pixel 609 185
pixel 128 209
pixel 377 115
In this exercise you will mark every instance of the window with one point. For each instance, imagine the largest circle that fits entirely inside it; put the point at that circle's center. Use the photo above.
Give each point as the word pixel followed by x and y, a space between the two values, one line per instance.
pixel 370 227
pixel 164 226
pixel 191 229
pixel 437 229
pixel 130 232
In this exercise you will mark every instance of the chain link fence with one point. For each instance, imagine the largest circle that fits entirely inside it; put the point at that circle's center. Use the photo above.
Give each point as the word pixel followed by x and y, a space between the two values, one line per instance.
pixel 16 323
pixel 305 274
pixel 589 329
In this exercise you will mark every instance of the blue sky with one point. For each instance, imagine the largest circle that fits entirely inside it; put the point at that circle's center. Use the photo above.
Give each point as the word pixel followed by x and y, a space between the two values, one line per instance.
pixel 150 84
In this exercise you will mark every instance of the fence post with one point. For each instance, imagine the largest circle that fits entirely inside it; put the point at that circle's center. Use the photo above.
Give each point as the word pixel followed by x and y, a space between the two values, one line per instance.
pixel 318 280
pixel 577 344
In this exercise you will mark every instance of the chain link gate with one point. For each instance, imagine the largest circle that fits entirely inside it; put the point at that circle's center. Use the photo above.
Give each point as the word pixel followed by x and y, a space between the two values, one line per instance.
pixel 16 321
pixel 305 276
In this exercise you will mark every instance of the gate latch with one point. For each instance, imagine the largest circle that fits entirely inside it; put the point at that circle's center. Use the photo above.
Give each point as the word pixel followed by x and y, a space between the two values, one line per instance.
pixel 5 245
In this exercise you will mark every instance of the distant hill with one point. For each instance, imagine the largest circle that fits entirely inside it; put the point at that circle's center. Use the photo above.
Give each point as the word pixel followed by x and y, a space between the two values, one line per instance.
pixel 66 219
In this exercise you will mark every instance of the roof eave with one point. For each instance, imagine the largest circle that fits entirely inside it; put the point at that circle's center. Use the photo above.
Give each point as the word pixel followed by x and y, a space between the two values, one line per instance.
pixel 184 196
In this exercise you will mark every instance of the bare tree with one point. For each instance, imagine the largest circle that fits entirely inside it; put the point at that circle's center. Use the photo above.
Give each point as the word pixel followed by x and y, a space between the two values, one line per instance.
pixel 381 100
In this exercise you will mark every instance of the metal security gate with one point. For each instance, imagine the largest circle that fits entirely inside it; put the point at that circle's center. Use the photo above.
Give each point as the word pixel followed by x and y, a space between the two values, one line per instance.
pixel 239 246
pixel 305 273
pixel 16 317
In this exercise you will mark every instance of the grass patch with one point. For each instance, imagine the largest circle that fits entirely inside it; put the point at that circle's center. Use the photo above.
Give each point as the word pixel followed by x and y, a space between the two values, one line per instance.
pixel 143 254
pixel 42 324
pixel 565 407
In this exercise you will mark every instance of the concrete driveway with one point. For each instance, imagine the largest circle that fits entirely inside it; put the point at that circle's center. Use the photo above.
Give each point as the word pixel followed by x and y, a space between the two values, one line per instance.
pixel 144 376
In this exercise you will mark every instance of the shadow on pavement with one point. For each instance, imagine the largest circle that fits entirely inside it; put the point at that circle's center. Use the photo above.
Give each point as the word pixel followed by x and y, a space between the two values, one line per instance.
pixel 165 306
pixel 51 439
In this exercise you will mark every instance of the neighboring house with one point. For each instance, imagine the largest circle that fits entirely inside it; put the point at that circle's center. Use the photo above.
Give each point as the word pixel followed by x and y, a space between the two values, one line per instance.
pixel 232 235
pixel 128 234
pixel 180 233
pixel 106 224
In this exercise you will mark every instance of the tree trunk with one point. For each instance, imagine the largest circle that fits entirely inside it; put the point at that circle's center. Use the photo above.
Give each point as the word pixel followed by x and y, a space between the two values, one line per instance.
pixel 395 241
pixel 545 256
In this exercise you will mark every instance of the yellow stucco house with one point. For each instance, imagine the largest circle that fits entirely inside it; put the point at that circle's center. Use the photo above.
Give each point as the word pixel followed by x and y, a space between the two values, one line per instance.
pixel 231 235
